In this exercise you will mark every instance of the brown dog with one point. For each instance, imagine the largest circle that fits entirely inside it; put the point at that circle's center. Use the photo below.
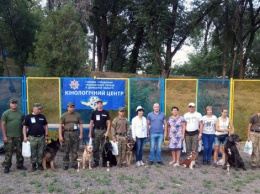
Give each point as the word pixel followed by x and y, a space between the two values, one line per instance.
pixel 190 162
pixel 129 152
pixel 87 156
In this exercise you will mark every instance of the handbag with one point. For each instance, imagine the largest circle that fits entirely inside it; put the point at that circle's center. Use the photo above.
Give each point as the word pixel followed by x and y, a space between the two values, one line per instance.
pixel 248 147
pixel 183 146
pixel 26 149
pixel 115 148
pixel 199 145
pixel 221 137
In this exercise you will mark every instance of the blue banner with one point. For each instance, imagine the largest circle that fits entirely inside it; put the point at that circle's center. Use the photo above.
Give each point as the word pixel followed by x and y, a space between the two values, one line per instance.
pixel 85 92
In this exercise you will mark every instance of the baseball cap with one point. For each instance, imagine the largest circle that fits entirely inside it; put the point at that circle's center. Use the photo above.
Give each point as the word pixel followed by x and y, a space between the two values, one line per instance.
pixel 121 109
pixel 139 108
pixel 13 100
pixel 99 101
pixel 70 103
pixel 191 104
pixel 37 105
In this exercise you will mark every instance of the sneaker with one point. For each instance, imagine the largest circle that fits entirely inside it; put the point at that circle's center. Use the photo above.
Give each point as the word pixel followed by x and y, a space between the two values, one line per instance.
pixel 137 163
pixel 204 162
pixel 33 167
pixel 40 167
pixel 6 170
pixel 141 163
pixel 253 167
pixel 65 167
pixel 215 165
pixel 21 167
pixel 176 165
pixel 208 163
pixel 161 163
pixel 95 165
pixel 151 163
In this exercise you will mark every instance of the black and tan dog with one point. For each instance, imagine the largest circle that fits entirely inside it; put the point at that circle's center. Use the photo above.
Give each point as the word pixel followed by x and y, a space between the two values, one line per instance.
pixel 232 154
pixel 49 153
pixel 130 148
pixel 107 155
pixel 87 156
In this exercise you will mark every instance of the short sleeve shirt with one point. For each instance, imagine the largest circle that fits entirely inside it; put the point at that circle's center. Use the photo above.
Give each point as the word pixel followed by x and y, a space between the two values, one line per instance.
pixel 70 121
pixel 156 122
pixel 35 124
pixel 14 123
pixel 192 120
pixel 254 120
pixel 209 124
pixel 100 118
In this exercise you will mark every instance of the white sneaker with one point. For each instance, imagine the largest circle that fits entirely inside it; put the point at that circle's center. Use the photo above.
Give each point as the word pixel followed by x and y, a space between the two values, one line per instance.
pixel 176 165
pixel 137 163
pixel 141 163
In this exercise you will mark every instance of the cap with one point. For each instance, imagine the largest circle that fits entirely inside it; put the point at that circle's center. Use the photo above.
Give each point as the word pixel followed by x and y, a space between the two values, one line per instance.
pixel 71 104
pixel 121 109
pixel 139 108
pixel 99 101
pixel 37 105
pixel 13 100
pixel 191 104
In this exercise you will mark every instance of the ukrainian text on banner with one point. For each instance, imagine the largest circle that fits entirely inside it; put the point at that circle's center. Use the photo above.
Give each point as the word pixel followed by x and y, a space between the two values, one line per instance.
pixel 85 92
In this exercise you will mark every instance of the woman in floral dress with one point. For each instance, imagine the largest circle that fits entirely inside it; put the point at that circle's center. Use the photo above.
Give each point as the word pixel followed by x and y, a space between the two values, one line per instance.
pixel 175 131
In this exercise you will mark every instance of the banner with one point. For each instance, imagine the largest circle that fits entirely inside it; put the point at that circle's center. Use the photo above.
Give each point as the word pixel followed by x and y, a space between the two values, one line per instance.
pixel 85 92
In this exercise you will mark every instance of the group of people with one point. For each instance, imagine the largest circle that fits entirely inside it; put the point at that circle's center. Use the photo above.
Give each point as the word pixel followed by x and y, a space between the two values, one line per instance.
pixel 190 128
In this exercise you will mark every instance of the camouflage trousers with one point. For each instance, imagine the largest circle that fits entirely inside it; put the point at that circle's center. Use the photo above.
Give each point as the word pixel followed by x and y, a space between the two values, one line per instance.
pixel 255 138
pixel 13 144
pixel 37 149
pixel 71 141
pixel 98 142
pixel 121 157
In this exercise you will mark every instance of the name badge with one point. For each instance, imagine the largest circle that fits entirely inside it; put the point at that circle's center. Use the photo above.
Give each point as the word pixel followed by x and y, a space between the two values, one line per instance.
pixel 98 117
pixel 33 120
pixel 75 126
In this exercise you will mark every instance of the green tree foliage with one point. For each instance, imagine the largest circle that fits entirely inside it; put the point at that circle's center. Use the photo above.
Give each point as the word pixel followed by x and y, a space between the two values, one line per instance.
pixel 60 49
pixel 19 21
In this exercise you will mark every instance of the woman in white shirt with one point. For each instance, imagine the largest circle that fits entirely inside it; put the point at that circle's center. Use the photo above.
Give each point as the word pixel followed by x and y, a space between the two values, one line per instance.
pixel 207 134
pixel 223 127
pixel 139 133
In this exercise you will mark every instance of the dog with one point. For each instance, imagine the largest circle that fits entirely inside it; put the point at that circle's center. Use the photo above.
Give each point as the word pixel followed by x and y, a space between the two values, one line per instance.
pixel 130 148
pixel 190 162
pixel 107 155
pixel 232 154
pixel 49 153
pixel 87 156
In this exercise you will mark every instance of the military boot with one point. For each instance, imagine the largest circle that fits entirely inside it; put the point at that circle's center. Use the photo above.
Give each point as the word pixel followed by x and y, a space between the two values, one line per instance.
pixel 33 167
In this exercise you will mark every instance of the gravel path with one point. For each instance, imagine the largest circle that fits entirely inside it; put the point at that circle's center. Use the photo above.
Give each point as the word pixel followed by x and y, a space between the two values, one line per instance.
pixel 148 179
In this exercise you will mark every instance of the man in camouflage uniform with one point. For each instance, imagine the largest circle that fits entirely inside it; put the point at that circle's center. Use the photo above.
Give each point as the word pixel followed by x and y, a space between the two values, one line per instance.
pixel 70 122
pixel 37 133
pixel 120 131
pixel 12 120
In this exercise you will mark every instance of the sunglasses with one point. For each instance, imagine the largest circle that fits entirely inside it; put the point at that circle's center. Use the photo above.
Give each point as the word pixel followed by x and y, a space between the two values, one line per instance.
pixel 14 103
pixel 191 106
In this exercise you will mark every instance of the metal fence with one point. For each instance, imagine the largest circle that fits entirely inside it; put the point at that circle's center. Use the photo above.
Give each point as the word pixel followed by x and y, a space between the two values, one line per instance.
pixel 239 96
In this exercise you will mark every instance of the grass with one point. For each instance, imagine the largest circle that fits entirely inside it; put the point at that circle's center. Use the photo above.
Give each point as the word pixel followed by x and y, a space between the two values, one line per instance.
pixel 175 180
pixel 208 184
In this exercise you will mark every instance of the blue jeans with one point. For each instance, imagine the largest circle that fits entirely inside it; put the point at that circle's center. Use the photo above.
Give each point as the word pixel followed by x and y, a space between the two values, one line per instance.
pixel 207 140
pixel 139 148
pixel 156 142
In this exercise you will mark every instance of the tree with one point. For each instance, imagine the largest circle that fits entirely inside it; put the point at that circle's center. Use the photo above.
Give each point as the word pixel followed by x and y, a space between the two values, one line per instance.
pixel 60 49
pixel 19 21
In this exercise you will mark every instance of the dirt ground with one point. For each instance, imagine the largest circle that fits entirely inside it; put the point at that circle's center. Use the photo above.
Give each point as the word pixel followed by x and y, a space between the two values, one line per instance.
pixel 148 179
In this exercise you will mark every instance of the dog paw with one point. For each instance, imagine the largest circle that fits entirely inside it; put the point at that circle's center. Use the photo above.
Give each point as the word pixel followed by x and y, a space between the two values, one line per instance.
pixel 244 169
pixel 236 169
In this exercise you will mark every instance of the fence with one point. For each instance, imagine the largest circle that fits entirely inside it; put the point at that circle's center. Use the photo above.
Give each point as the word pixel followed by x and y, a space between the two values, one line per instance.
pixel 237 95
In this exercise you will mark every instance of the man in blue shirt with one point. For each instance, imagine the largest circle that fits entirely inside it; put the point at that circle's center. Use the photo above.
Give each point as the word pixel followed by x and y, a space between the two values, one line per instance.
pixel 156 124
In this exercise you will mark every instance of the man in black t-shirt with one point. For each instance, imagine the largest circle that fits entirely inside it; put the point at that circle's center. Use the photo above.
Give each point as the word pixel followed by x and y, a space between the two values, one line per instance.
pixel 37 133
pixel 101 120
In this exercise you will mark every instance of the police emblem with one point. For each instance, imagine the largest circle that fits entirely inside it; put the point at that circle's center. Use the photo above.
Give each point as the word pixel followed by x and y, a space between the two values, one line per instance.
pixel 74 84
pixel 92 102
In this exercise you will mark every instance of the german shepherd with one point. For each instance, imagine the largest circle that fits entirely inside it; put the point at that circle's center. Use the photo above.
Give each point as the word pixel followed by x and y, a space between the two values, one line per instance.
pixel 50 153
